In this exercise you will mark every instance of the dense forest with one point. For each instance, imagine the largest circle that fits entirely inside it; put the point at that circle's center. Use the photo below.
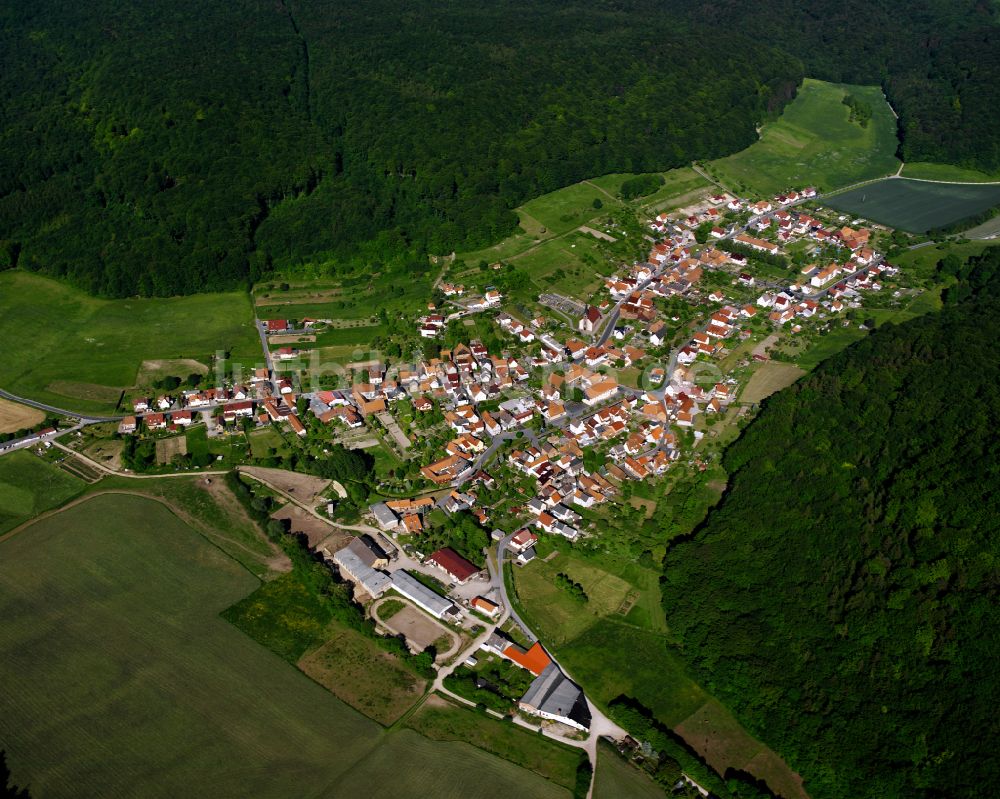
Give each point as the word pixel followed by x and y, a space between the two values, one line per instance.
pixel 937 60
pixel 843 597
pixel 164 148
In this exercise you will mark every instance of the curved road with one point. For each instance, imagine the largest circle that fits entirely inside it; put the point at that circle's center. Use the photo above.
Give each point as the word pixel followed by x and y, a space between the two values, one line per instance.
pixel 61 411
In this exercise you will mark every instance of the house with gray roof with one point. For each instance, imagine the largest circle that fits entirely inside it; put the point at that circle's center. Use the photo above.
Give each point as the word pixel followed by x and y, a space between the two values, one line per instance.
pixel 552 695
pixel 384 515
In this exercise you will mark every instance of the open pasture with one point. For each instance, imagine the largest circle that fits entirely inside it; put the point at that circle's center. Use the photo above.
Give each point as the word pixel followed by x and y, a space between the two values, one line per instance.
pixel 814 143
pixel 915 205
pixel 79 352
pixel 554 613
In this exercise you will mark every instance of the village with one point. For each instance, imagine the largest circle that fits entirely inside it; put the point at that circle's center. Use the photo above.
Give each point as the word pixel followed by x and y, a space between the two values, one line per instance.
pixel 586 395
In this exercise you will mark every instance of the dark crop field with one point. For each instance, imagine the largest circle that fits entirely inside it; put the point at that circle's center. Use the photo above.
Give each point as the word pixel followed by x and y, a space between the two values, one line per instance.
pixel 916 206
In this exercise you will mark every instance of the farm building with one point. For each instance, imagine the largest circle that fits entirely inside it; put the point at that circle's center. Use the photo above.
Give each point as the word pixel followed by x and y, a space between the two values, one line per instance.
pixel 421 595
pixel 356 562
pixel 456 567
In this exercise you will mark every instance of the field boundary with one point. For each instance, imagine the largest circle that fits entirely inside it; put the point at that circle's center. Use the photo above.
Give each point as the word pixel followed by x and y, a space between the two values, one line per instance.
pixel 124 491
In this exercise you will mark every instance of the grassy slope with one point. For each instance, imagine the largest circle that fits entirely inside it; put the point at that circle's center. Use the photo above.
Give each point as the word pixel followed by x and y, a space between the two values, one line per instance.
pixel 122 679
pixel 565 617
pixel 814 143
pixel 29 486
pixel 566 209
pixel 73 350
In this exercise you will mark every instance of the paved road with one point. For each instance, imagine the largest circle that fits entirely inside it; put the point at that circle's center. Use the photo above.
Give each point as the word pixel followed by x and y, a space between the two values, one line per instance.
pixel 61 411
pixel 35 439
pixel 484 457
pixel 262 332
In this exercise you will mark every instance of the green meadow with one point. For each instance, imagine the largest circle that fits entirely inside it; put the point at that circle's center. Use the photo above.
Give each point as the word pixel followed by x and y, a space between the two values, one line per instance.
pixel 30 485
pixel 79 352
pixel 814 143
pixel 615 778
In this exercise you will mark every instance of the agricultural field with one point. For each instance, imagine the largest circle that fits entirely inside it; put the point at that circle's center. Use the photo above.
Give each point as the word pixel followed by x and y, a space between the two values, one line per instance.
pixel 916 206
pixel 72 350
pixel 814 143
pixel 174 693
pixel 409 766
pixel 14 416
pixel 616 778
pixel 30 485
pixel 442 720
pixel 206 505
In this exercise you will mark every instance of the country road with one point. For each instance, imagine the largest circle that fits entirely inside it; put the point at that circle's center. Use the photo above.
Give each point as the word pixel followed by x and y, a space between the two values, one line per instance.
pixel 61 411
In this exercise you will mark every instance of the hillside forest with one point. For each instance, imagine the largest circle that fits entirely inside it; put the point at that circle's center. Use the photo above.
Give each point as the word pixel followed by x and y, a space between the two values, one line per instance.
pixel 161 149
pixel 843 597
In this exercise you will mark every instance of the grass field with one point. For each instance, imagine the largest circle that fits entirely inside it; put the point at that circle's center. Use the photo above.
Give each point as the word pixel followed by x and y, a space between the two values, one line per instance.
pixel 441 720
pixel 72 350
pixel 210 509
pixel 814 143
pixel 29 486
pixel 565 209
pixel 367 678
pixel 947 172
pixel 121 679
pixel 353 308
pixel 566 617
pixel 916 206
pixel 617 779
pixel 769 378
pixel 611 658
